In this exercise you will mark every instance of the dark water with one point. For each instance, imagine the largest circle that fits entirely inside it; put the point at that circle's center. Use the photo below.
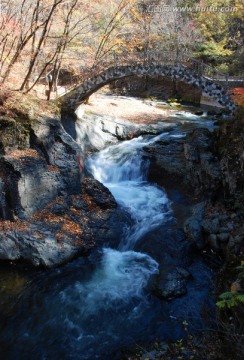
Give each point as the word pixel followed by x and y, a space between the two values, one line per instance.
pixel 91 308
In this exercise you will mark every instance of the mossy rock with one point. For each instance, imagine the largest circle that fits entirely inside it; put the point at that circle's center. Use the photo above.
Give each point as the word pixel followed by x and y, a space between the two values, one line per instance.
pixel 175 104
pixel 173 100
pixel 6 122
pixel 14 133
pixel 211 112
pixel 240 113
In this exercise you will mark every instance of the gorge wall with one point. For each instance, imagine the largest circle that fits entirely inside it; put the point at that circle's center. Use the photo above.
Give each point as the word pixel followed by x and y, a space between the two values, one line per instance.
pixel 209 166
pixel 49 212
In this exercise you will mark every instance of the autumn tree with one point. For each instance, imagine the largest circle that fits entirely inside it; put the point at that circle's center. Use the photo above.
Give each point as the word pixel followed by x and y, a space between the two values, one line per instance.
pixel 55 41
pixel 222 32
pixel 38 33
pixel 20 21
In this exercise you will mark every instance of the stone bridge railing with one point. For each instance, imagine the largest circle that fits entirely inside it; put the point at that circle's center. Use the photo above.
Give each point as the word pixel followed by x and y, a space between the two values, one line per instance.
pixel 185 59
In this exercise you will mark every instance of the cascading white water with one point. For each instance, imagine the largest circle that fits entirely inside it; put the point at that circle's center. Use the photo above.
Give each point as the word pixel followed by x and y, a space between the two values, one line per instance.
pixel 123 170
pixel 90 309
pixel 120 277
pixel 187 117
pixel 123 274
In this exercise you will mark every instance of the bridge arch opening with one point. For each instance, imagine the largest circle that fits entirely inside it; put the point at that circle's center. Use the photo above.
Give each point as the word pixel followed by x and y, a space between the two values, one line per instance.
pixel 158 87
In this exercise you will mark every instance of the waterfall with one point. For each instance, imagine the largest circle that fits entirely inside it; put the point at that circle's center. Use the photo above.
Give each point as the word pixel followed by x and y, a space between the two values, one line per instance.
pixel 123 170
pixel 93 307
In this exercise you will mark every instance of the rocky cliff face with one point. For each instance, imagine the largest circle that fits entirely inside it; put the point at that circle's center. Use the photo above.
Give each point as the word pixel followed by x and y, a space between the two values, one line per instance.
pixel 49 212
pixel 229 146
pixel 189 159
pixel 209 166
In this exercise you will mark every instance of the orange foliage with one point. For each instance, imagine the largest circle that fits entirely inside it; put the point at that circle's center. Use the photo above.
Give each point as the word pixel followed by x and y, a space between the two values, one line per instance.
pixel 53 168
pixel 238 91
pixel 23 153
pixel 72 227
pixel 237 95
pixel 7 226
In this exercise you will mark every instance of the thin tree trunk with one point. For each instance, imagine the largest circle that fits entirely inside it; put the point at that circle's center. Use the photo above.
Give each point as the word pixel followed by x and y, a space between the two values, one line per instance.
pixel 41 40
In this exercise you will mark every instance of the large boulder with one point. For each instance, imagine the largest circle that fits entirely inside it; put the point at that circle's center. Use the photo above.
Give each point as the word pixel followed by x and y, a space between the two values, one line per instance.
pixel 35 176
pixel 193 225
pixel 172 283
pixel 30 182
pixel 189 160
pixel 59 150
pixel 67 227
pixel 50 211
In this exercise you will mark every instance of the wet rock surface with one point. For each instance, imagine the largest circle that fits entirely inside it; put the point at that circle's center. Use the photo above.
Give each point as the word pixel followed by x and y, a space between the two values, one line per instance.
pixel 94 132
pixel 50 212
pixel 189 159
pixel 193 225
pixel 210 166
pixel 172 283
pixel 215 226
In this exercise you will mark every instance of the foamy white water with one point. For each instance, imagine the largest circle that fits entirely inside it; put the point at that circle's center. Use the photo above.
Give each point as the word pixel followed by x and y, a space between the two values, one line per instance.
pixel 123 170
pixel 187 115
pixel 120 277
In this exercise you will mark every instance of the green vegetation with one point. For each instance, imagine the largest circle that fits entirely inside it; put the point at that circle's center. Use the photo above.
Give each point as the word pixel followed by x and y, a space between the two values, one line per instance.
pixel 234 297
pixel 222 34
pixel 230 299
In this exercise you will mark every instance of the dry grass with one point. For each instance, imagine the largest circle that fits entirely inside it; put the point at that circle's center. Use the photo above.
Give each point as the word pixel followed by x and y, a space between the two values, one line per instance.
pixel 17 105
pixel 18 154
pixel 8 226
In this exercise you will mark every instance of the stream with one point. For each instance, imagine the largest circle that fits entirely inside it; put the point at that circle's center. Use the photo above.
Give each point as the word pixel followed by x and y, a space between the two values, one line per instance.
pixel 92 308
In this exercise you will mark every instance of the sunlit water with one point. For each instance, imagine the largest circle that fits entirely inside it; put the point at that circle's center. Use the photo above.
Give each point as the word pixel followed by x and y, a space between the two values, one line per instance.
pixel 89 309
pixel 189 118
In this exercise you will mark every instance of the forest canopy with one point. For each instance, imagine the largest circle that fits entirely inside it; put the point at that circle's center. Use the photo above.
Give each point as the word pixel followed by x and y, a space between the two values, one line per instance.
pixel 71 36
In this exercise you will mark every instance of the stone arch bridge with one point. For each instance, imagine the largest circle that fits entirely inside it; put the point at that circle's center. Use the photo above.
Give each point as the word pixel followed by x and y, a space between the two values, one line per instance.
pixel 213 88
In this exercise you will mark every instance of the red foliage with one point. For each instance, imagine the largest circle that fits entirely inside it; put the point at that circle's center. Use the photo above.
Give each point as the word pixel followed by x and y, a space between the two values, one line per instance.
pixel 238 91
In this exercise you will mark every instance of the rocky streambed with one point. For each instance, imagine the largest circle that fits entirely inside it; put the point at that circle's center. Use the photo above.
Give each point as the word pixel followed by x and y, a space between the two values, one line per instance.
pixel 154 216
